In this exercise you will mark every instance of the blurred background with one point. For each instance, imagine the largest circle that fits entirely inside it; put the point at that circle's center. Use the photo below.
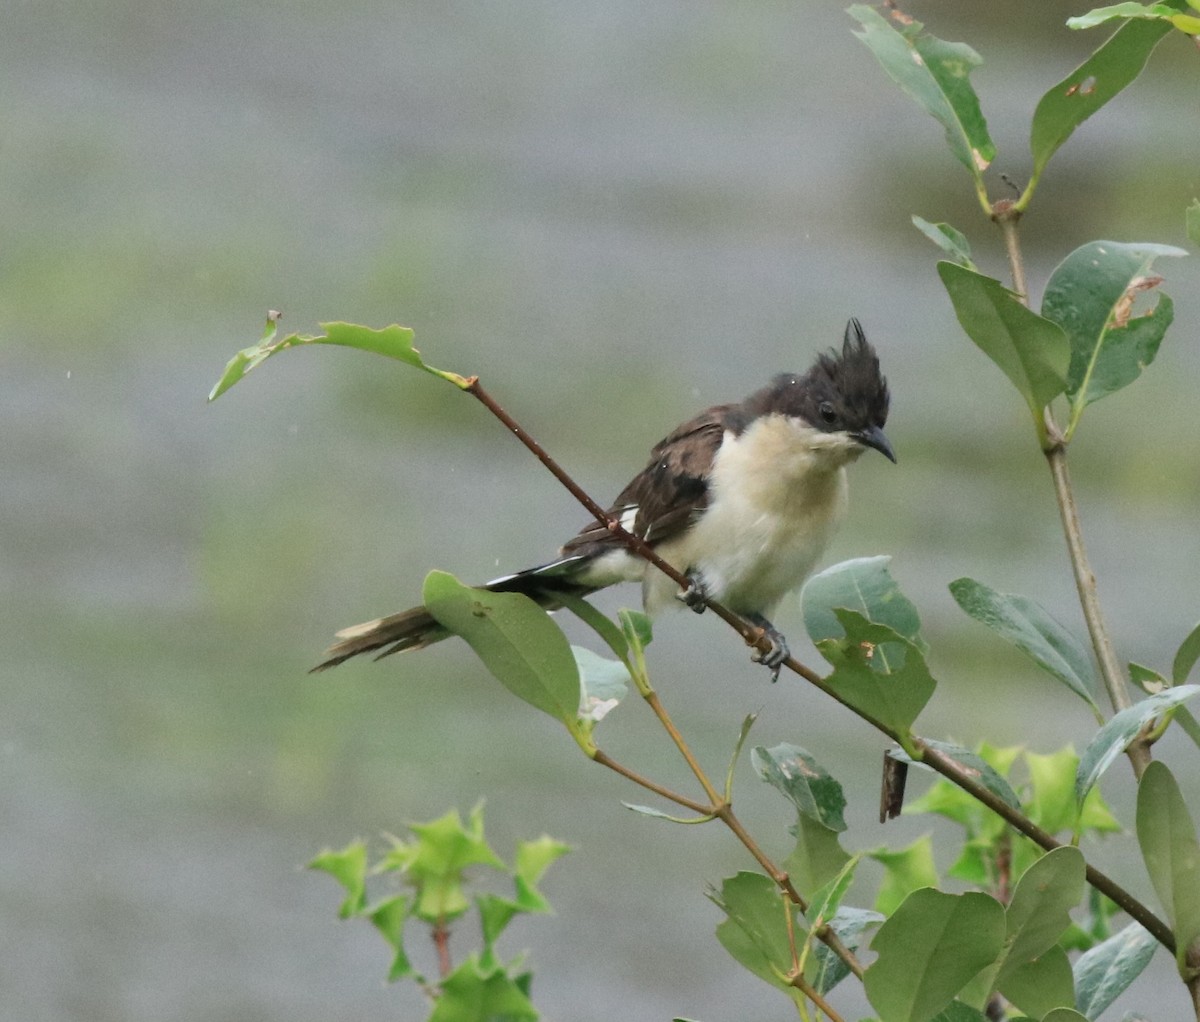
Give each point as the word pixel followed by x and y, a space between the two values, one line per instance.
pixel 616 213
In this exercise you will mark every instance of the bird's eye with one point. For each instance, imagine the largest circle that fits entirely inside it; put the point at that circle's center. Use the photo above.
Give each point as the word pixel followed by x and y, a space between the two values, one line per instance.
pixel 828 415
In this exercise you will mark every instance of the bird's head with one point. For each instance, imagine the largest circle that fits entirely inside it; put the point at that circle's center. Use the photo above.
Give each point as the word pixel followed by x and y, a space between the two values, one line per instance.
pixel 843 395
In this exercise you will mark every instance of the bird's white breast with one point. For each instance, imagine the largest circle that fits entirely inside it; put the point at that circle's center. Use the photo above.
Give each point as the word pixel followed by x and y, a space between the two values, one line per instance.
pixel 777 494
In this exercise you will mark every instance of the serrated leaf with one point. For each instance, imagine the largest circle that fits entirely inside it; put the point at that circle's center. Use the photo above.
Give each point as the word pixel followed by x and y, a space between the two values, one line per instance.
pixel 1110 741
pixel 1186 657
pixel 1090 295
pixel 477 991
pixel 948 239
pixel 1033 630
pixel 810 788
pixel 435 860
pixel 865 585
pixel 1104 972
pixel 936 74
pixel 1167 838
pixel 1029 349
pixel 392 342
pixel 904 870
pixel 1114 65
pixel 389 917
pixel 878 672
pixel 532 860
pixel 349 868
pixel 929 949
pixel 495 913
pixel 516 640
pixel 754 931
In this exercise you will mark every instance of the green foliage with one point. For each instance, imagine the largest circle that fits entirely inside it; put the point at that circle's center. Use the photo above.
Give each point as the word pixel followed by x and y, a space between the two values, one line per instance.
pixel 1029 349
pixel 1172 854
pixel 929 949
pixel 435 863
pixel 940 956
pixel 392 342
pixel 1033 630
pixel 936 74
pixel 1091 296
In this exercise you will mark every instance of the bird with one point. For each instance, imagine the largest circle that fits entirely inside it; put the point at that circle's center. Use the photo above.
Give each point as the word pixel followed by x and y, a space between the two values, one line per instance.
pixel 742 500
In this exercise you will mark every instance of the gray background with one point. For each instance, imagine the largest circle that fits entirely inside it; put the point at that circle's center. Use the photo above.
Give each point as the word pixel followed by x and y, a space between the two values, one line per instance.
pixel 617 214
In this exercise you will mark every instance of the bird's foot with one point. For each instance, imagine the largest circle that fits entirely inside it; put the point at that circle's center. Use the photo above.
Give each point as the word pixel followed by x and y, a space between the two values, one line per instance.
pixel 774 657
pixel 695 595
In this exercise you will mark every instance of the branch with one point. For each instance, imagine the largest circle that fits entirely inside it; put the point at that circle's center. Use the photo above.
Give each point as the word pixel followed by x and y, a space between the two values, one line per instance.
pixel 754 636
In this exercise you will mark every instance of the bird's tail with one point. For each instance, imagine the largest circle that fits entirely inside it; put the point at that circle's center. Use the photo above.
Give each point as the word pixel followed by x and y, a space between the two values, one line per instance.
pixel 416 628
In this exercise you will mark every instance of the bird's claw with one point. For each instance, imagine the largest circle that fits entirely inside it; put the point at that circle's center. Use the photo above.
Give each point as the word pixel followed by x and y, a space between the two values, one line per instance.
pixel 695 596
pixel 778 652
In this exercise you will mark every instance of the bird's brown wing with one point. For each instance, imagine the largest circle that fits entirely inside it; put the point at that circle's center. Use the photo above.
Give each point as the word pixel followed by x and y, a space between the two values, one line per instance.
pixel 670 491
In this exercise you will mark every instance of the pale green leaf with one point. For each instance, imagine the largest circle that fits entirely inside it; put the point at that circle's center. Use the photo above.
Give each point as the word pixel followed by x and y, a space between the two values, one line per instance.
pixel 1032 629
pixel 1110 741
pixel 1104 972
pixel 1167 838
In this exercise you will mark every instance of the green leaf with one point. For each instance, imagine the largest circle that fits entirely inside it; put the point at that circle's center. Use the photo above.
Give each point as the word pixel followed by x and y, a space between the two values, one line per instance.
pixel 948 239
pixel 495 913
pixel 904 870
pixel 865 585
pixel 878 672
pixel 1171 852
pixel 1042 985
pixel 1030 627
pixel 533 859
pixel 817 856
pixel 1186 657
pixel 936 74
pixel 930 948
pixel 435 859
pixel 389 917
pixel 1103 973
pixel 1091 295
pixel 1085 90
pixel 793 772
pixel 474 991
pixel 392 342
pixel 754 931
pixel 1052 777
pixel 1192 222
pixel 1031 351
pixel 349 868
pixel 1110 741
pixel 1039 911
pixel 849 924
pixel 516 640
pixel 1124 10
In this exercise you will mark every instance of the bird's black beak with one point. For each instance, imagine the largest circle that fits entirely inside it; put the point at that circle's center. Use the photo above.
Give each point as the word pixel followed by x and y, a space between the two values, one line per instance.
pixel 873 436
